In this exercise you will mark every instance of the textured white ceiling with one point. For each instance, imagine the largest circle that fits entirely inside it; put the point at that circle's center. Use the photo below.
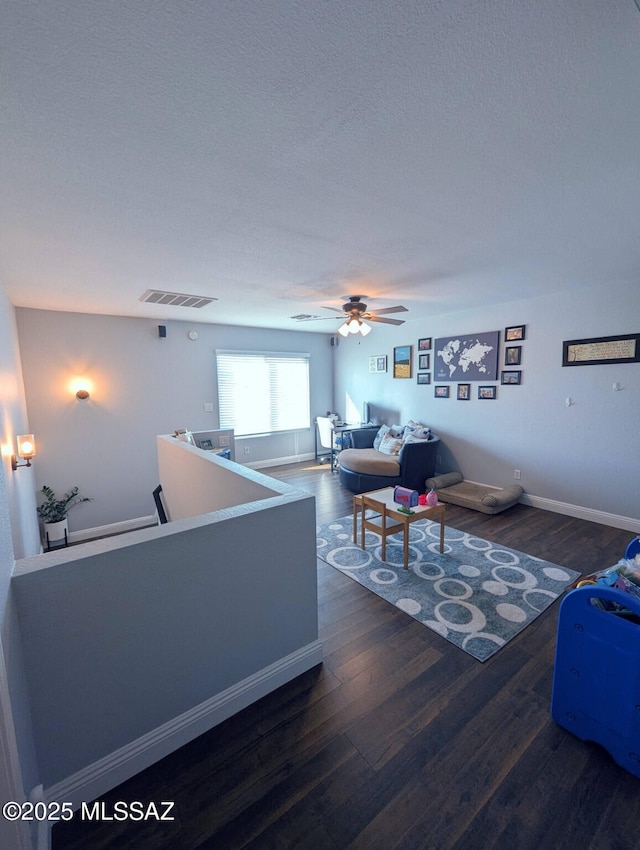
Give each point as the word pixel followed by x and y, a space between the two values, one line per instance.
pixel 279 155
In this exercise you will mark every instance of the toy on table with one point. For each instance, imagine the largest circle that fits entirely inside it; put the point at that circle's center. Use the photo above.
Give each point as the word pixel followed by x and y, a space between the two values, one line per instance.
pixel 406 497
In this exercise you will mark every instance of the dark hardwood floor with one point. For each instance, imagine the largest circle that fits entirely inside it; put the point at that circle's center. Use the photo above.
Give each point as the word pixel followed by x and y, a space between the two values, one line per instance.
pixel 399 739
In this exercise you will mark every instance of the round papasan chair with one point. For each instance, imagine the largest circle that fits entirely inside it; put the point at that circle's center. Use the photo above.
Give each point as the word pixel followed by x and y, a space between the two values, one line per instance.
pixel 363 467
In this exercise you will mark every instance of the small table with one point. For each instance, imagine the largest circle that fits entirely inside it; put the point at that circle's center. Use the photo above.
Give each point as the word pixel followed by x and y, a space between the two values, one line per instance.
pixel 382 501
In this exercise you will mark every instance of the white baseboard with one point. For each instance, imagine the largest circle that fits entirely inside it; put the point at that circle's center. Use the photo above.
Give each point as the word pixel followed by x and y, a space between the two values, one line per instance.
pixel 280 461
pixel 577 511
pixel 108 772
pixel 590 514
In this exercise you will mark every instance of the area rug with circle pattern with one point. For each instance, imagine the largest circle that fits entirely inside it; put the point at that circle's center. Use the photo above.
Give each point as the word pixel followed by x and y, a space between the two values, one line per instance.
pixel 477 594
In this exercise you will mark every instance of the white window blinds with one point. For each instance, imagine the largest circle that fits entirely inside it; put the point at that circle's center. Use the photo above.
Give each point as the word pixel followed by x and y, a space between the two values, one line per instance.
pixel 260 392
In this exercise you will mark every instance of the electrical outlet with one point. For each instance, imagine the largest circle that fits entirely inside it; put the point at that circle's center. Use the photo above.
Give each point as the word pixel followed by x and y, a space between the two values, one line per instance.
pixel 208 407
pixel 223 441
pixel 246 450
pixel 516 474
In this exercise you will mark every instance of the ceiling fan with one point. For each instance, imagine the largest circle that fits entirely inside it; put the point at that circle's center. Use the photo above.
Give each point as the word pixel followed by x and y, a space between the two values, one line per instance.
pixel 355 310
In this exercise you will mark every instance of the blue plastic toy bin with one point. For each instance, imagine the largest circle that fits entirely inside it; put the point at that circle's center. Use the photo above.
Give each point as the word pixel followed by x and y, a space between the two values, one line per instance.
pixel 596 683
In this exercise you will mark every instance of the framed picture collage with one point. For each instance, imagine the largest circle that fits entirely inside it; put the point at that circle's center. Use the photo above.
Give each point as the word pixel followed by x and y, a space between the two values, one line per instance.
pixel 470 361
pixel 473 362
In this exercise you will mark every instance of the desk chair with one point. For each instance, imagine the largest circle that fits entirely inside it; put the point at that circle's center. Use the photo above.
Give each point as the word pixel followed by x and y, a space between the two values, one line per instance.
pixel 325 435
pixel 383 524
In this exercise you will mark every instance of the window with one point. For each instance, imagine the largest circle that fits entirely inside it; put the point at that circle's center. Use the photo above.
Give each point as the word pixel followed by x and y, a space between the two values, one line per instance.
pixel 263 393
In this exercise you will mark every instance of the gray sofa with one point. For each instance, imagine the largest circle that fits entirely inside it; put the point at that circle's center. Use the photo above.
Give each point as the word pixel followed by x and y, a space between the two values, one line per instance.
pixel 363 468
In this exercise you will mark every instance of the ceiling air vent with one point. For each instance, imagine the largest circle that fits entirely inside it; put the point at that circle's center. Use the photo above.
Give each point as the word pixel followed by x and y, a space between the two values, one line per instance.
pixel 175 299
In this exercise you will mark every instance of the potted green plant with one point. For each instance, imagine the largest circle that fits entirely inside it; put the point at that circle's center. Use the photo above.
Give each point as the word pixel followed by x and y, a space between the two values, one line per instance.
pixel 53 511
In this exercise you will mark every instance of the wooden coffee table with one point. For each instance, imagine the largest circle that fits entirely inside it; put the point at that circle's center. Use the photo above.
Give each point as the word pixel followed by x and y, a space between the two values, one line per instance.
pixel 390 519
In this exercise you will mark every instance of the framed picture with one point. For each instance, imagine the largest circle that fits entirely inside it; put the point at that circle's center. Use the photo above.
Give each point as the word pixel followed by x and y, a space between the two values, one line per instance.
pixel 464 392
pixel 424 361
pixel 487 392
pixel 424 344
pixel 512 377
pixel 441 392
pixel 424 377
pixel 402 361
pixel 513 355
pixel 468 357
pixel 516 332
pixel 624 348
pixel 378 363
pixel 205 444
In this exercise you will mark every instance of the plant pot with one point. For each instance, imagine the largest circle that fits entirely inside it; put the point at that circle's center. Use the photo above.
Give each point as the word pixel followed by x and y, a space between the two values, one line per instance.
pixel 54 532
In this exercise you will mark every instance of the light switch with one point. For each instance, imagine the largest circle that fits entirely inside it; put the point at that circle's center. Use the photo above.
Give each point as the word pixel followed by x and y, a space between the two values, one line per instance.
pixel 208 407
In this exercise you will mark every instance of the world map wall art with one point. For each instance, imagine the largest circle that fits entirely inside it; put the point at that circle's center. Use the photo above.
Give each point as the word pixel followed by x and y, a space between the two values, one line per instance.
pixel 472 357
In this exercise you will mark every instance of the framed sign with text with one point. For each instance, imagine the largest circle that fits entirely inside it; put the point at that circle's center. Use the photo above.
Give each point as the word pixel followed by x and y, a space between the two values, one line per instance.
pixel 624 348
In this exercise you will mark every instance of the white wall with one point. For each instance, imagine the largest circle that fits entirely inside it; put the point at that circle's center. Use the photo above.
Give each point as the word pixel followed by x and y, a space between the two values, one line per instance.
pixel 584 455
pixel 142 386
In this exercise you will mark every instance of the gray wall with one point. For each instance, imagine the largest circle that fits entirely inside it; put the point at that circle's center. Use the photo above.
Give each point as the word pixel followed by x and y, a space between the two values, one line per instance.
pixel 214 483
pixel 18 537
pixel 142 386
pixel 17 489
pixel 144 616
pixel 123 635
pixel 584 455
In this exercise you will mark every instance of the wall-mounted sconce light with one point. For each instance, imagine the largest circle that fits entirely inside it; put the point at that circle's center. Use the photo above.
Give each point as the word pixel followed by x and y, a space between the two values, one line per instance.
pixel 81 387
pixel 26 450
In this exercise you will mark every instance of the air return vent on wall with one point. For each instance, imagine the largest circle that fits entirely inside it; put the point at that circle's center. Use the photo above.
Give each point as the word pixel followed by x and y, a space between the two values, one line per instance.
pixel 175 299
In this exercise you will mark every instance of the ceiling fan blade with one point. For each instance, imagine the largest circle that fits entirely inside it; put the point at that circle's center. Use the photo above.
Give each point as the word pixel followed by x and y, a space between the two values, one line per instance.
pixel 389 310
pixel 314 318
pixel 335 309
pixel 386 321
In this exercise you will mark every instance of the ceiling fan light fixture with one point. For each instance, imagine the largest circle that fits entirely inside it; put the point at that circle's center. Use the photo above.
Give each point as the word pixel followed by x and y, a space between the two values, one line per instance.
pixel 354 311
pixel 354 325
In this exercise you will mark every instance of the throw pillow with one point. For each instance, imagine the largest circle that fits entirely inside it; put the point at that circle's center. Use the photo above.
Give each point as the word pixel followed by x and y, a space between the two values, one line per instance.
pixel 417 429
pixel 415 438
pixel 418 434
pixel 384 430
pixel 390 445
